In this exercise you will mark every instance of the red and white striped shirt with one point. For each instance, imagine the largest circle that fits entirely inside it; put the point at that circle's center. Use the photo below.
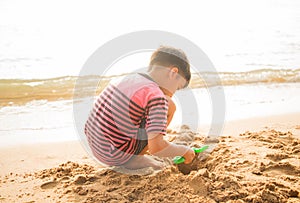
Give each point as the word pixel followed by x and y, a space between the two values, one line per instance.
pixel 112 126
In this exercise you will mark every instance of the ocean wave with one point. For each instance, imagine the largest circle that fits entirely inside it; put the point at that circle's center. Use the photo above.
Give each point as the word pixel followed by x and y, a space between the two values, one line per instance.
pixel 207 79
pixel 20 91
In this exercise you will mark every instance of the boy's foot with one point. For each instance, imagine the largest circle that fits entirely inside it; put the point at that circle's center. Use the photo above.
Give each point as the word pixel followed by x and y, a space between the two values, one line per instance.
pixel 142 161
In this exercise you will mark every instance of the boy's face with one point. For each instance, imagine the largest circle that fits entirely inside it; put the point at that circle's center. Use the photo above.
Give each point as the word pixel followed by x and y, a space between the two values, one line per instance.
pixel 182 83
pixel 177 81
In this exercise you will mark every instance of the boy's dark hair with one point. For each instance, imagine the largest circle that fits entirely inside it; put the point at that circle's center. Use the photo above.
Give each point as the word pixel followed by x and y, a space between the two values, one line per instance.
pixel 170 56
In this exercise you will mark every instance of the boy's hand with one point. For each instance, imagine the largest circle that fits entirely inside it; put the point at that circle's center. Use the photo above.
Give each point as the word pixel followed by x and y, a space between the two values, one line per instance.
pixel 189 156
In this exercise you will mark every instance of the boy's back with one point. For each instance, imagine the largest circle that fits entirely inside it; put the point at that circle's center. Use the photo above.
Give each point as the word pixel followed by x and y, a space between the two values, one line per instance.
pixel 112 127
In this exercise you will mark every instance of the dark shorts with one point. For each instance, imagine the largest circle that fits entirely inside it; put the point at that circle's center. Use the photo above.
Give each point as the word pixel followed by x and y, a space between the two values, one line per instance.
pixel 142 140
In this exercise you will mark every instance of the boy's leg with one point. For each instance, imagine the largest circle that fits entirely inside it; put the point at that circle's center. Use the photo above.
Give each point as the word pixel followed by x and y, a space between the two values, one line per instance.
pixel 171 110
pixel 172 106
pixel 141 161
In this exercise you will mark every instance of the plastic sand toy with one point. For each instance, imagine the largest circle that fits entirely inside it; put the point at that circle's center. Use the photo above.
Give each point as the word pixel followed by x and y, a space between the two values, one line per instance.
pixel 180 159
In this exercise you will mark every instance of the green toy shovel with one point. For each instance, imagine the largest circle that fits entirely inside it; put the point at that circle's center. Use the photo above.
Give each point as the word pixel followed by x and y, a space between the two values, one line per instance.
pixel 180 159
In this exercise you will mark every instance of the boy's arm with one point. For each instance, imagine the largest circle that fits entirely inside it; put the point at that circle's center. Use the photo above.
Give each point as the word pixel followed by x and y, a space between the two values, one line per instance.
pixel 158 146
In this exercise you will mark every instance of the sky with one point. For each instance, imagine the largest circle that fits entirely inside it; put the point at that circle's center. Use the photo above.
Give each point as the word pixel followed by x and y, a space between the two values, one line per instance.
pixel 65 33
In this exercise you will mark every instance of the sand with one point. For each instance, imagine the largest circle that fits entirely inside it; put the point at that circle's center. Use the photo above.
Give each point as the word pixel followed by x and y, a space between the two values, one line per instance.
pixel 256 160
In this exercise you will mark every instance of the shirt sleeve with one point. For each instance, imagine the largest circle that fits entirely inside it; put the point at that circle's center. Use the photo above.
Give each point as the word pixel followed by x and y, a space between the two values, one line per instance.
pixel 156 118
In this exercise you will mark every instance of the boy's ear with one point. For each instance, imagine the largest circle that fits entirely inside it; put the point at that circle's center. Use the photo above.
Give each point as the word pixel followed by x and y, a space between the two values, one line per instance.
pixel 173 71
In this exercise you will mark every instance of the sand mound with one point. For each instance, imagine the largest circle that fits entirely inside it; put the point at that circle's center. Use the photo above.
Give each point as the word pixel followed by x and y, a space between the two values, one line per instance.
pixel 254 167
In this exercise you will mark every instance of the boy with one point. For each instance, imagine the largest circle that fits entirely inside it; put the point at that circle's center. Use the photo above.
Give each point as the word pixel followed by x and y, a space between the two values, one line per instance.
pixel 130 117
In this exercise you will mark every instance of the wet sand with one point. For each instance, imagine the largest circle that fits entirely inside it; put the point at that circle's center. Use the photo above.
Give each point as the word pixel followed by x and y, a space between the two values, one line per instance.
pixel 255 160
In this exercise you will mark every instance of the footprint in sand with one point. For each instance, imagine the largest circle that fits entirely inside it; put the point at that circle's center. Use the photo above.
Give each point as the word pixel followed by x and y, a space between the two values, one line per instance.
pixel 49 185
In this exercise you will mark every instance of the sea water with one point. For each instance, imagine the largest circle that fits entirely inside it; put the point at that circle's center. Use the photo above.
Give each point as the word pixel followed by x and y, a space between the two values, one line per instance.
pixel 45 121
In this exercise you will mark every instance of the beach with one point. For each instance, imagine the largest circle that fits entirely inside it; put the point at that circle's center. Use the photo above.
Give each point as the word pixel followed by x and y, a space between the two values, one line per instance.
pixel 256 160
pixel 242 101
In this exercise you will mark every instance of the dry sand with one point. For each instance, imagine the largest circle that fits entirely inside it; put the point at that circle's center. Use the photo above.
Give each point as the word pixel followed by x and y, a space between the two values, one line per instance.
pixel 256 160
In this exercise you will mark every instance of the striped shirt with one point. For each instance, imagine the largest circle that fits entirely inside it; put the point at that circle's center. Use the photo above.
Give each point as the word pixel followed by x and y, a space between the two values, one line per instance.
pixel 113 123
